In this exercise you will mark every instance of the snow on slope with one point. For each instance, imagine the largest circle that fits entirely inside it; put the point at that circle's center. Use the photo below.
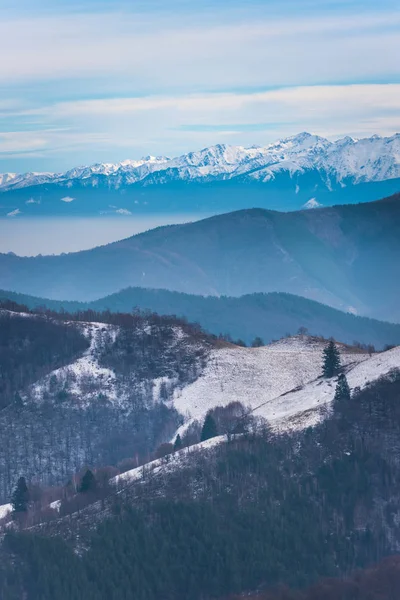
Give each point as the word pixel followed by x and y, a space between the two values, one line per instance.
pixel 166 464
pixel 370 159
pixel 85 371
pixel 5 509
pixel 301 408
pixel 255 376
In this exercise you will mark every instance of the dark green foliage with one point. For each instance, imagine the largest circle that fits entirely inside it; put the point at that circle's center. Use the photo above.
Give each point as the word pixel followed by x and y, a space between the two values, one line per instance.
pixel 257 342
pixel 342 392
pixel 209 429
pixel 177 443
pixel 331 364
pixel 88 483
pixel 20 498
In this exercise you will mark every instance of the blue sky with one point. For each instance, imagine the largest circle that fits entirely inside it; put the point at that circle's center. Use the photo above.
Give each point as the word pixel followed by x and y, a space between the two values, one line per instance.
pixel 88 81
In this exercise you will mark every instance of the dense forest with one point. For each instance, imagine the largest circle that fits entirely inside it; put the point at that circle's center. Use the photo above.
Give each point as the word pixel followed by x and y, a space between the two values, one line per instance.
pixel 254 513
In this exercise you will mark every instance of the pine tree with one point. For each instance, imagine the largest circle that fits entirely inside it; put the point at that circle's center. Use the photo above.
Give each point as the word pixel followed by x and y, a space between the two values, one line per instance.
pixel 342 391
pixel 257 342
pixel 331 366
pixel 88 483
pixel 209 428
pixel 178 443
pixel 20 497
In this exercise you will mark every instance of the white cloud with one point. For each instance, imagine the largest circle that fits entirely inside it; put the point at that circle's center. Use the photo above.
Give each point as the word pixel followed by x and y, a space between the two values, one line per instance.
pixel 67 199
pixel 32 201
pixel 114 129
pixel 123 211
pixel 14 213
pixel 181 52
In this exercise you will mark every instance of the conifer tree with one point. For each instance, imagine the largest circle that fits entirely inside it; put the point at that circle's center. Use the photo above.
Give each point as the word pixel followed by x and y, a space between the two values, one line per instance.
pixel 209 428
pixel 178 443
pixel 88 483
pixel 342 391
pixel 331 365
pixel 257 342
pixel 20 497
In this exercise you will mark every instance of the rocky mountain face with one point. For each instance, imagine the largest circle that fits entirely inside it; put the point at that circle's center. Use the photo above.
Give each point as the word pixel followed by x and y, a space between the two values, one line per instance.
pixel 364 160
pixel 303 169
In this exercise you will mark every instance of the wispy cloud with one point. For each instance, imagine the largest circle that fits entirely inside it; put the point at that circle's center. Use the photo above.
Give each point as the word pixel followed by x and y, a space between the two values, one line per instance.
pixel 84 84
pixel 120 127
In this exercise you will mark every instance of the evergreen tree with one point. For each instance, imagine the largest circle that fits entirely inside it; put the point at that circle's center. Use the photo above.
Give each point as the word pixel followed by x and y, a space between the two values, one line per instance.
pixel 209 428
pixel 178 443
pixel 257 342
pixel 88 483
pixel 342 391
pixel 20 497
pixel 331 366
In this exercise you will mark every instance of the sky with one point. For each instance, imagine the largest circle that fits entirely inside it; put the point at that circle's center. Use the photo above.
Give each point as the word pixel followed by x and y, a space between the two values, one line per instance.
pixel 93 81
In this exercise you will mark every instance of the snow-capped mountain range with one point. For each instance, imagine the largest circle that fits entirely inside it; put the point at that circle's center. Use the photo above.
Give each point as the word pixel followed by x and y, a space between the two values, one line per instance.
pixel 347 160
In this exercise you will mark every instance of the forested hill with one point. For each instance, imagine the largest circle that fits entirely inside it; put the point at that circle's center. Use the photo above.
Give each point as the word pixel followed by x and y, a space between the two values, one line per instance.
pixel 266 316
pixel 89 388
pixel 344 256
pixel 259 512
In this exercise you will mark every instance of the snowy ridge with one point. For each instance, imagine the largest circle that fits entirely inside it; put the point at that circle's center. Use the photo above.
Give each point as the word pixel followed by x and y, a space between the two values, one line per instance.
pixel 302 408
pixel 347 160
pixel 162 465
pixel 256 376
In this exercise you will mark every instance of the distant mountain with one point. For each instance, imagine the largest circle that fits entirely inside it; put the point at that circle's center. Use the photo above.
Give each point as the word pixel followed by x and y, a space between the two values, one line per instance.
pixel 269 316
pixel 283 175
pixel 343 256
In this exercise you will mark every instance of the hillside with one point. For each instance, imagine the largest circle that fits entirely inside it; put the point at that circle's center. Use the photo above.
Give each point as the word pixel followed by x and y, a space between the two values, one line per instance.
pixel 343 256
pixel 89 388
pixel 128 386
pixel 253 513
pixel 269 316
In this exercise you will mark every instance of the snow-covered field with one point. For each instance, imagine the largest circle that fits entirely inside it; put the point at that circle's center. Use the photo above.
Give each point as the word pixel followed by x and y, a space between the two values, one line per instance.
pixel 256 377
pixel 301 408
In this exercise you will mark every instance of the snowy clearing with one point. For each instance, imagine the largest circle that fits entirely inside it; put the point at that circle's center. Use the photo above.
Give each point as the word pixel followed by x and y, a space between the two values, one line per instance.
pixel 256 376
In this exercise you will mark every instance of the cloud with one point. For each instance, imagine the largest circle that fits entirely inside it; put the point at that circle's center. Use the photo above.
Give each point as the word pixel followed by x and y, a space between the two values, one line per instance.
pixel 104 86
pixel 123 211
pixel 32 201
pixel 14 213
pixel 183 51
pixel 67 199
pixel 117 128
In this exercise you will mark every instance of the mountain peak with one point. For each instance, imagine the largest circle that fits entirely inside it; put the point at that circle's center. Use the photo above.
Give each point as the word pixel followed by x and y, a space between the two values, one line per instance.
pixel 369 159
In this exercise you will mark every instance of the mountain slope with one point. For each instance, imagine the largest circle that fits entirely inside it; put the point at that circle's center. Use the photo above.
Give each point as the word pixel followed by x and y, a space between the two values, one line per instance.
pixel 344 256
pixel 284 175
pixel 269 316
pixel 260 511
pixel 89 389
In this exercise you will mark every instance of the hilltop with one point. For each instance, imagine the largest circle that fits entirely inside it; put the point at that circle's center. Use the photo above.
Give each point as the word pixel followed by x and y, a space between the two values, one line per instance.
pixel 344 256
